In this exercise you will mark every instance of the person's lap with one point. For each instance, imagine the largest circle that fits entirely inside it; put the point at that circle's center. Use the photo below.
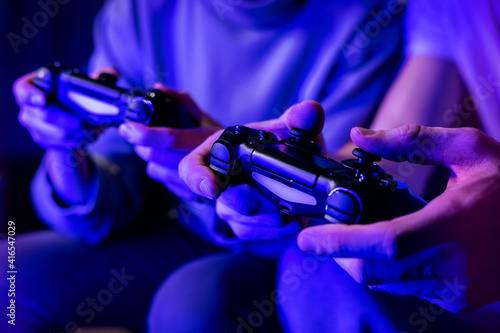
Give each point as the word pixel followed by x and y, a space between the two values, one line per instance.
pixel 319 296
pixel 61 284
pixel 219 293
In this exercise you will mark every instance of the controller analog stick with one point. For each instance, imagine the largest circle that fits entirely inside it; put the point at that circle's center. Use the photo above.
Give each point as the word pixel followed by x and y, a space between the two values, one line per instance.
pixel 108 78
pixel 365 157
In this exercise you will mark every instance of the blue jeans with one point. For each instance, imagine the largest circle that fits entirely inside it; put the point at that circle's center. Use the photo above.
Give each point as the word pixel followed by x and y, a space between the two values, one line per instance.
pixel 61 285
pixel 217 294
pixel 320 297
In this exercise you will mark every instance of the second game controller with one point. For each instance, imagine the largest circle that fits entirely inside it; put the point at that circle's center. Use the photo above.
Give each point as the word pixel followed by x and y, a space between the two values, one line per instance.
pixel 100 102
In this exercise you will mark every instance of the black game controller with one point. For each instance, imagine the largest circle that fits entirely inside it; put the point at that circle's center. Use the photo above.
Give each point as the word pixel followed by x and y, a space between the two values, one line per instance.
pixel 293 175
pixel 101 103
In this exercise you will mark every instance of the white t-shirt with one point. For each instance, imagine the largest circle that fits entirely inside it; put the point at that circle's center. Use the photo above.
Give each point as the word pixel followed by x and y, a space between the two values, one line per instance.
pixel 466 32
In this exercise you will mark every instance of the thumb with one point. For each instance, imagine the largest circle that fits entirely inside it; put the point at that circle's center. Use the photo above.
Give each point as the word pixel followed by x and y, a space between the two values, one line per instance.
pixel 454 147
pixel 308 116
pixel 109 70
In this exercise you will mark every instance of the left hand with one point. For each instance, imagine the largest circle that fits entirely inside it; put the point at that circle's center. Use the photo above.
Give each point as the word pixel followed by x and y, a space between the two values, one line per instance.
pixel 164 147
pixel 448 252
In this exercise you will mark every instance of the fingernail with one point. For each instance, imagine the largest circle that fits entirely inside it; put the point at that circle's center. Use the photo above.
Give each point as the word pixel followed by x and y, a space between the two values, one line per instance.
pixel 126 130
pixel 37 100
pixel 364 131
pixel 207 190
pixel 306 242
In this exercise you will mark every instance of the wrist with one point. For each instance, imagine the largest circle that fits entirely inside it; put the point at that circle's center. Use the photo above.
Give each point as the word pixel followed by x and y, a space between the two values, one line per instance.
pixel 70 172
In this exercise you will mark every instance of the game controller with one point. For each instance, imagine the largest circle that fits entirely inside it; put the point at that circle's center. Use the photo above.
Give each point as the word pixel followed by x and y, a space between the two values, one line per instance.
pixel 292 174
pixel 101 103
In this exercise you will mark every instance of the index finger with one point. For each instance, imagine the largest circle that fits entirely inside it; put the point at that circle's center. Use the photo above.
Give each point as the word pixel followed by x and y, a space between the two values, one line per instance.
pixel 26 93
pixel 454 147
pixel 403 236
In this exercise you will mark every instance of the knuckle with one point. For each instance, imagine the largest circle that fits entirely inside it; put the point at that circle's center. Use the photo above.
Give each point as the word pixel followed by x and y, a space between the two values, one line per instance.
pixel 183 167
pixel 148 153
pixel 474 137
pixel 37 139
pixel 63 136
pixel 19 84
pixel 408 137
pixel 402 142
pixel 151 170
pixel 362 273
pixel 408 133
pixel 23 118
pixel 165 138
pixel 184 94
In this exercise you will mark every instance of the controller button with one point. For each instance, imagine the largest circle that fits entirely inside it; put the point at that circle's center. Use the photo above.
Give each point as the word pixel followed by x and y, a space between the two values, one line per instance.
pixel 361 177
pixel 221 157
pixel 238 129
pixel 44 79
pixel 343 206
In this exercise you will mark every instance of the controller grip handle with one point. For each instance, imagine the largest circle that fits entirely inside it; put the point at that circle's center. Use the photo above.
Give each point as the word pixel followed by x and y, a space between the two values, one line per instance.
pixel 168 112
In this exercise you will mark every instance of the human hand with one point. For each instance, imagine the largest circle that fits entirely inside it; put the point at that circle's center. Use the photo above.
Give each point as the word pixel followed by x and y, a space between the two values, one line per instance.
pixel 50 126
pixel 447 252
pixel 62 133
pixel 164 147
pixel 249 214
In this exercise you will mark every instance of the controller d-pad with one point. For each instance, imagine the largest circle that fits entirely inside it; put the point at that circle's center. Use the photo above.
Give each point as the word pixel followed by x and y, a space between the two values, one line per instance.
pixel 225 157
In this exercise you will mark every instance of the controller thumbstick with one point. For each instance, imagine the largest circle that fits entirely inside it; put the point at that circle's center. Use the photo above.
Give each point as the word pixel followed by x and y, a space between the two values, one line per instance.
pixel 108 78
pixel 301 134
pixel 365 157
pixel 139 110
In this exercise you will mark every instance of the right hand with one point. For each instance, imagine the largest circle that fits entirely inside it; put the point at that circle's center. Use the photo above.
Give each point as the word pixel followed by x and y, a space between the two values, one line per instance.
pixel 447 252
pixel 163 147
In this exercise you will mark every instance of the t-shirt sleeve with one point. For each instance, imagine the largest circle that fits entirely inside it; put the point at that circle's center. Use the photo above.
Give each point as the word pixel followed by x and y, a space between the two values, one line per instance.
pixel 425 32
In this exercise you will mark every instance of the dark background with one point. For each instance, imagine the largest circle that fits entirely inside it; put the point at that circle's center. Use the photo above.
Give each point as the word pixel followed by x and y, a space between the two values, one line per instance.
pixel 64 33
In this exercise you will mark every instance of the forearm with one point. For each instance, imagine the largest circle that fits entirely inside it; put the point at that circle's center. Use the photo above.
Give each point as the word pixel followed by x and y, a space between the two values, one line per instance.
pixel 427 91
pixel 115 193
pixel 70 173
